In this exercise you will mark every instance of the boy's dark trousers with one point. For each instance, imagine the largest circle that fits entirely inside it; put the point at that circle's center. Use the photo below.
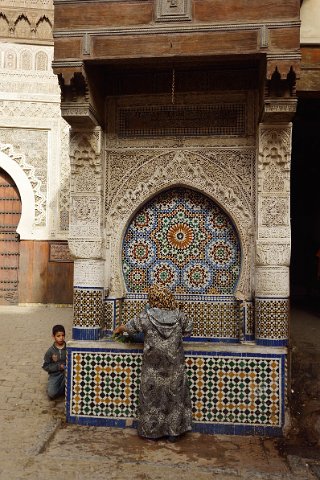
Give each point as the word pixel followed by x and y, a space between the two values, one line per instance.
pixel 56 384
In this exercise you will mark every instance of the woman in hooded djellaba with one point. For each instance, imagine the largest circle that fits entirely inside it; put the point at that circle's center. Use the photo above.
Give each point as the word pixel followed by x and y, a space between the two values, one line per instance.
pixel 164 400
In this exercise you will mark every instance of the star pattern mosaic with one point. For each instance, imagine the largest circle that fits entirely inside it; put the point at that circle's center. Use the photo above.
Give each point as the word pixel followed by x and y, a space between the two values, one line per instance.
pixel 224 389
pixel 272 318
pixel 235 390
pixel 106 384
pixel 183 240
pixel 88 307
pixel 213 317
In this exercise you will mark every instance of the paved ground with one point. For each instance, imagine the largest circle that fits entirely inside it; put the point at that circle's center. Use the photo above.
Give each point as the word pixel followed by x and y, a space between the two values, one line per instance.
pixel 37 444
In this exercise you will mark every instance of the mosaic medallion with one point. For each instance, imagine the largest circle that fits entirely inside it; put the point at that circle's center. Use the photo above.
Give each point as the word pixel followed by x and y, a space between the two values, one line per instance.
pixel 183 240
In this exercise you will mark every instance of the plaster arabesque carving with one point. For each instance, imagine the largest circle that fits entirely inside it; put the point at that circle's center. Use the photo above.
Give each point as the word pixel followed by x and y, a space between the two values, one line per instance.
pixel 171 168
pixel 272 281
pixel 273 253
pixel 274 159
pixel 89 273
pixel 40 199
pixel 85 216
pixel 81 248
pixel 86 168
pixel 65 172
pixel 274 211
pixel 86 181
pixel 29 23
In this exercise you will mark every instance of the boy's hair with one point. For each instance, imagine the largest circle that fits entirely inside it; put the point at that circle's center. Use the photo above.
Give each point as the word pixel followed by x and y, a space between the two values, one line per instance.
pixel 58 328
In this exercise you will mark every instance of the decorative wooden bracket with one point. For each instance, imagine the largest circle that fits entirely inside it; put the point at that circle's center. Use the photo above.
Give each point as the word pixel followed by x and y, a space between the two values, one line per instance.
pixel 77 106
pixel 280 100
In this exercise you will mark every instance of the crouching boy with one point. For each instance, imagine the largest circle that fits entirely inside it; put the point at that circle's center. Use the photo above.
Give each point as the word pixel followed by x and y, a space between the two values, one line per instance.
pixel 55 363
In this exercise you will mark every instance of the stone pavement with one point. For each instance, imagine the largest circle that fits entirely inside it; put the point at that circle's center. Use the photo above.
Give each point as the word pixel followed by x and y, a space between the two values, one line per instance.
pixel 36 444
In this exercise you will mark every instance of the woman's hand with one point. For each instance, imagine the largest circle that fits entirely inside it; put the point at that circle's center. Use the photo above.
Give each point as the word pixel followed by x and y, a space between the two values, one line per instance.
pixel 119 329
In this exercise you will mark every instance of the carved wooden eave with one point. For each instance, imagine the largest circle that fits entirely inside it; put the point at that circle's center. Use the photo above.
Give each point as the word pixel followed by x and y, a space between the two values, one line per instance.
pixel 76 100
pixel 279 110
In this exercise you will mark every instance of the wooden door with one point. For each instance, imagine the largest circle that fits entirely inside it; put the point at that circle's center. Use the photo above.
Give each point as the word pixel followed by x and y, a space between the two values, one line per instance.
pixel 10 212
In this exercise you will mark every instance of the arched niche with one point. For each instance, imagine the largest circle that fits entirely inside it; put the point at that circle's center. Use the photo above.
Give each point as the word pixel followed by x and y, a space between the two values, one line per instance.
pixel 181 239
pixel 169 170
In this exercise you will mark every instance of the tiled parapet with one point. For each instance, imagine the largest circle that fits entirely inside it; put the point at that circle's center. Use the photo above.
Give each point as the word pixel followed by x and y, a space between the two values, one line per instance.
pixel 238 391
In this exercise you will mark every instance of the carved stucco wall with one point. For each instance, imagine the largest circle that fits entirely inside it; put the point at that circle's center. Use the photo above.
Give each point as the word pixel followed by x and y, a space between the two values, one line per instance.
pixel 26 19
pixel 34 135
pixel 225 175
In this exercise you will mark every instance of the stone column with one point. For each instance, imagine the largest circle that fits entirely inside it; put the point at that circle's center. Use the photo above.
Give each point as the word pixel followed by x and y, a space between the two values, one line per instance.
pixel 86 232
pixel 273 234
pixel 82 109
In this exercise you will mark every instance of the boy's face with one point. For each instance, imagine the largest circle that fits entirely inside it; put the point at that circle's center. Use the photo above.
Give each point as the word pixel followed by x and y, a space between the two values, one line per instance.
pixel 59 338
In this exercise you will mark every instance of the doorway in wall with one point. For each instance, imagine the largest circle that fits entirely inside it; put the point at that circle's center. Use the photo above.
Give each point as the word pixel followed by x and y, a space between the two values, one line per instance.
pixel 10 213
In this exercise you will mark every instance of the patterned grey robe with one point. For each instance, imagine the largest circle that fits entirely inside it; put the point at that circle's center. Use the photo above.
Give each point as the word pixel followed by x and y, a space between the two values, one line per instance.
pixel 165 404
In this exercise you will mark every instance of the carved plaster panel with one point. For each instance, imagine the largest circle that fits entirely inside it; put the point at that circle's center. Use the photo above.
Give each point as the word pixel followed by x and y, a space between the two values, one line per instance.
pixel 273 232
pixel 35 180
pixel 272 282
pixel 275 180
pixel 32 89
pixel 273 211
pixel 202 105
pixel 65 173
pixel 26 23
pixel 273 253
pixel 139 175
pixel 123 165
pixel 43 4
pixel 16 109
pixel 89 273
pixel 274 158
pixel 86 248
pixel 85 216
pixel 26 58
pixel 86 164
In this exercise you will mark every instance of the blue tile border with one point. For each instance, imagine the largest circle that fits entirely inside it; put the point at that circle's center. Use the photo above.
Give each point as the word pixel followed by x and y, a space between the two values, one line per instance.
pixel 207 428
pixel 272 343
pixel 212 339
pixel 79 333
